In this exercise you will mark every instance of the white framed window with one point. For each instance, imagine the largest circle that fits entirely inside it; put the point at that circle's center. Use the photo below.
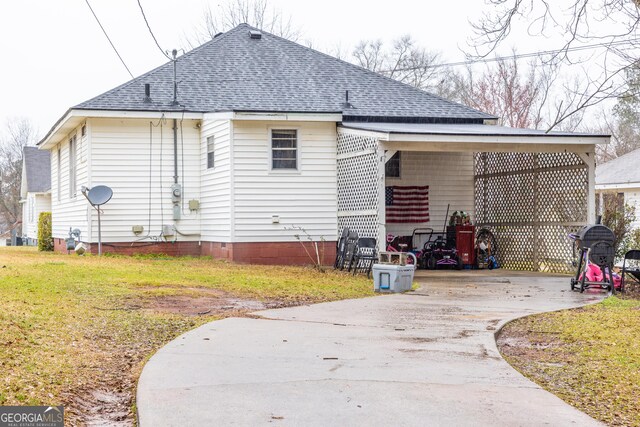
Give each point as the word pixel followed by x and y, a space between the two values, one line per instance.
pixel 32 209
pixel 72 166
pixel 210 152
pixel 284 149
pixel 59 174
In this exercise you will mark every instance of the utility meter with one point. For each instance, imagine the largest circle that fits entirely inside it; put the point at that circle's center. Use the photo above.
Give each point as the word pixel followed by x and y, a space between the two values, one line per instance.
pixel 176 193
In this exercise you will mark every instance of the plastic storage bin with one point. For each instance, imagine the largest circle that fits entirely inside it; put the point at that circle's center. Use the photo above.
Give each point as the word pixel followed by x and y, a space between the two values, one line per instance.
pixel 392 278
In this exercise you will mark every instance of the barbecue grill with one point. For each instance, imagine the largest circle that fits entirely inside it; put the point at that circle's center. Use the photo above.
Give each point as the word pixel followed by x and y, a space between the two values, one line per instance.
pixel 596 245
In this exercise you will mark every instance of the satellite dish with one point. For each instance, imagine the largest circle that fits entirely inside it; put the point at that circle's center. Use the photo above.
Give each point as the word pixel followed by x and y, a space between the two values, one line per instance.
pixel 99 195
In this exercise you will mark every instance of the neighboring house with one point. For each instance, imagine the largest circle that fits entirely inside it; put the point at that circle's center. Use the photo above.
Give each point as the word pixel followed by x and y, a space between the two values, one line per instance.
pixel 621 177
pixel 35 191
pixel 264 135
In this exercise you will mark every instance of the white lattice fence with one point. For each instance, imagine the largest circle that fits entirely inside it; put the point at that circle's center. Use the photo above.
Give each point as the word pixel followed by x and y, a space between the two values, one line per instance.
pixel 358 184
pixel 532 201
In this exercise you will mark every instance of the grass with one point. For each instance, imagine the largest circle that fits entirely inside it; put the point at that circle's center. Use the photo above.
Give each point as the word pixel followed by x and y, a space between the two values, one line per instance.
pixel 71 325
pixel 590 357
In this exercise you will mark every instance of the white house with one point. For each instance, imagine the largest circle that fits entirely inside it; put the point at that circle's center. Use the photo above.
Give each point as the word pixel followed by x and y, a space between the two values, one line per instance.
pixel 35 191
pixel 255 137
pixel 621 176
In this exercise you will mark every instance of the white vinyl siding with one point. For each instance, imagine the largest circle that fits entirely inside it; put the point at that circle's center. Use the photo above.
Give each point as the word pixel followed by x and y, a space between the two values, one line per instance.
pixel 215 203
pixel 69 212
pixel 450 180
pixel 135 158
pixel 306 197
pixel 632 198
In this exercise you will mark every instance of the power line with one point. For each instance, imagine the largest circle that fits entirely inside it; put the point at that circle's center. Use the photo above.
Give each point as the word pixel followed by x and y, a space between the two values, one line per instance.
pixel 151 32
pixel 518 56
pixel 107 36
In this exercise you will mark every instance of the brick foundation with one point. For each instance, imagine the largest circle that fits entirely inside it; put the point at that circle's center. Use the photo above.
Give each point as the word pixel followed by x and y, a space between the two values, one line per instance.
pixel 273 253
pixel 125 248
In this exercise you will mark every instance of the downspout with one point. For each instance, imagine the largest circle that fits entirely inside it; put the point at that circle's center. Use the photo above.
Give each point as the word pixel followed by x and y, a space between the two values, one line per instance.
pixel 175 151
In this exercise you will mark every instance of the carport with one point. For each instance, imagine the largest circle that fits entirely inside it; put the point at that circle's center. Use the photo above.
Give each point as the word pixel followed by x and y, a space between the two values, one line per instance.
pixel 529 187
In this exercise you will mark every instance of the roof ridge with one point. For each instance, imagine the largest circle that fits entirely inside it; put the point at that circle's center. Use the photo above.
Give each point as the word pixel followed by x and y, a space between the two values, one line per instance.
pixel 151 72
pixel 360 68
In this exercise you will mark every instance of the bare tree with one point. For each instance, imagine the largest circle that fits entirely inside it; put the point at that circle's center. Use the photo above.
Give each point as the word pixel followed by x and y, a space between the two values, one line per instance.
pixel 404 61
pixel 256 13
pixel 19 133
pixel 581 26
pixel 503 90
pixel 610 23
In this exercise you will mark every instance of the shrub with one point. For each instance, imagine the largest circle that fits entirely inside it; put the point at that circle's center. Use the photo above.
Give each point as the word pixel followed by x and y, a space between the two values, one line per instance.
pixel 619 217
pixel 45 234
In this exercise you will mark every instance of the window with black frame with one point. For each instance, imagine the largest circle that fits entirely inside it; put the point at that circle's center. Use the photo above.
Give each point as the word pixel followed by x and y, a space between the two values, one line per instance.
pixel 392 167
pixel 284 149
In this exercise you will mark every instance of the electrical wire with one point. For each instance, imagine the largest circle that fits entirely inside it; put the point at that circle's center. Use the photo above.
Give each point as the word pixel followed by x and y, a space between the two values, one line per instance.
pixel 517 56
pixel 151 32
pixel 107 36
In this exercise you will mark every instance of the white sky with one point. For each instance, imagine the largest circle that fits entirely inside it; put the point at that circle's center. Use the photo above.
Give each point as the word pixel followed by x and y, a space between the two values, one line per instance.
pixel 54 54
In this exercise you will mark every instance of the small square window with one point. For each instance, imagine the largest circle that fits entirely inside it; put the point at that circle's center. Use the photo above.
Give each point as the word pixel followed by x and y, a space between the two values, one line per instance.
pixel 210 152
pixel 392 168
pixel 284 149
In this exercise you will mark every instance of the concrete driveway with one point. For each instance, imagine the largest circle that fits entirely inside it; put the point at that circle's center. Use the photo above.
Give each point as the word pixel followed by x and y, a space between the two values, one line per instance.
pixel 423 358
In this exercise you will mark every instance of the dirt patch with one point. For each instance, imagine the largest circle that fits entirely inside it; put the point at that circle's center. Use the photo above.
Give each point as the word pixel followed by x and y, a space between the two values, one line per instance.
pixel 631 291
pixel 191 301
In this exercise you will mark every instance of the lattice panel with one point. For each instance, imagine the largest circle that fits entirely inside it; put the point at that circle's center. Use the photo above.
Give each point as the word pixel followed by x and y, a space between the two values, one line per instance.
pixel 358 184
pixel 532 201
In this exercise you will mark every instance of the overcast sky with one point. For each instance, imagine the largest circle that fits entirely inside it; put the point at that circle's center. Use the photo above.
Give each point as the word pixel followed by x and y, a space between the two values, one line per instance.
pixel 54 54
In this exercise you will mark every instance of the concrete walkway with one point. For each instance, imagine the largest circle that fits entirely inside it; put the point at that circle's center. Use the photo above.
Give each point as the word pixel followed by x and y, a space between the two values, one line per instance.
pixel 423 358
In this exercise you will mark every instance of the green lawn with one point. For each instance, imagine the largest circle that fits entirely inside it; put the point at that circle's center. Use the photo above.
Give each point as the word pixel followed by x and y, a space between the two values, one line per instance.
pixel 72 325
pixel 590 357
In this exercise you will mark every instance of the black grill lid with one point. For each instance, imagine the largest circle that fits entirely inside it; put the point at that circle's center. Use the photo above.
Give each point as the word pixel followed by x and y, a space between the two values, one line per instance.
pixel 589 235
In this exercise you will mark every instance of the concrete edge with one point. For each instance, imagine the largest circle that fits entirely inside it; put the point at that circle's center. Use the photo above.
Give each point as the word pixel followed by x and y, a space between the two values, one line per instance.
pixel 499 329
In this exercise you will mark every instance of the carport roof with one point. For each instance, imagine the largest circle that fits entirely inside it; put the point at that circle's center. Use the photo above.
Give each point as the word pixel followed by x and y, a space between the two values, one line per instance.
pixel 476 137
pixel 461 129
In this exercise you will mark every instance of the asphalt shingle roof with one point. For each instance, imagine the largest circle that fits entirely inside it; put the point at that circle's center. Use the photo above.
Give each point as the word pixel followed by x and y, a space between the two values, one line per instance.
pixel 622 170
pixel 236 73
pixel 37 164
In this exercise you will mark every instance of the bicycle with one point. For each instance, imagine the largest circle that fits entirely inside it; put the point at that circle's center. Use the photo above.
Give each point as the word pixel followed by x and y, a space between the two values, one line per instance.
pixel 401 247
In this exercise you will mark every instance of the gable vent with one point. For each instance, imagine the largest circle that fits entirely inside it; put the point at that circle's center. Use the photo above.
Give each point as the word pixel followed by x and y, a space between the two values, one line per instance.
pixel 254 34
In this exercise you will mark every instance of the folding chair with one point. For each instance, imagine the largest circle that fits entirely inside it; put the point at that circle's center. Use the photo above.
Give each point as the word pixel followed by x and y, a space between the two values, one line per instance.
pixel 366 255
pixel 630 267
pixel 350 247
pixel 340 249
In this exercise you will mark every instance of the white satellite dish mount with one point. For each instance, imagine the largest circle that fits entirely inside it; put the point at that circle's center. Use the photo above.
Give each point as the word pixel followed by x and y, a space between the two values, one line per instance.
pixel 98 196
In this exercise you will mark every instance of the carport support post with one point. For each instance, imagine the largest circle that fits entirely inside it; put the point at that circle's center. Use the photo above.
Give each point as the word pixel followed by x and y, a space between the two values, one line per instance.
pixel 590 160
pixel 382 209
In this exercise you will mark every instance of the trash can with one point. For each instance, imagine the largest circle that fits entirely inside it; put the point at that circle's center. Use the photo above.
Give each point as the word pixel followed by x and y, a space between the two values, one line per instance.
pixel 392 278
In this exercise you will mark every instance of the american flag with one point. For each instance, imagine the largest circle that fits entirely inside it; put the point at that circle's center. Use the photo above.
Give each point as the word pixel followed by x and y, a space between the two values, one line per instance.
pixel 407 203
